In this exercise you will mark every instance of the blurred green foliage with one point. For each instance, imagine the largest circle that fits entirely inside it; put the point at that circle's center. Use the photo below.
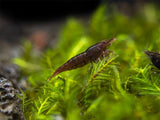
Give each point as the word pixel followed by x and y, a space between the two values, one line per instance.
pixel 126 86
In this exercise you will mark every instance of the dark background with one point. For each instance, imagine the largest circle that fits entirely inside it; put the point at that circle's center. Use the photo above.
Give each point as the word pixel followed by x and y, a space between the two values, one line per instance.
pixel 44 10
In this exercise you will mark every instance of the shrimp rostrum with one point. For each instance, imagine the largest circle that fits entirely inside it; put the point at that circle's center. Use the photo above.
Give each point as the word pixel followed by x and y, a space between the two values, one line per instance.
pixel 90 55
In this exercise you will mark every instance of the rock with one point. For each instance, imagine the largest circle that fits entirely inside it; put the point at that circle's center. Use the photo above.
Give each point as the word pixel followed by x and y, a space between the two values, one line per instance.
pixel 10 103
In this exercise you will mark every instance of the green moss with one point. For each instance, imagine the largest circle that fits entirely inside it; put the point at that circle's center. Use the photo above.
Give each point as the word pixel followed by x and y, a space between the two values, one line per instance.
pixel 123 86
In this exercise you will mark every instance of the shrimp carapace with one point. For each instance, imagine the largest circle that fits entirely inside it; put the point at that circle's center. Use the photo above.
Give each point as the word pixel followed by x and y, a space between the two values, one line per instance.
pixel 155 58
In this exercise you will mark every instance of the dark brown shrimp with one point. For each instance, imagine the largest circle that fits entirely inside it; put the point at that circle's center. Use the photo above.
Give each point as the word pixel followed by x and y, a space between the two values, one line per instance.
pixel 155 58
pixel 90 55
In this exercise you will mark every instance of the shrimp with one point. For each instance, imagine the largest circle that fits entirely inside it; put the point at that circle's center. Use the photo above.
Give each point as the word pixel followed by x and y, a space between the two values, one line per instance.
pixel 155 58
pixel 90 55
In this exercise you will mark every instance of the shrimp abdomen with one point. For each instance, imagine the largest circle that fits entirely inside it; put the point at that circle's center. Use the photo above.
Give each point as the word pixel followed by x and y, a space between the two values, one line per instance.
pixel 75 62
